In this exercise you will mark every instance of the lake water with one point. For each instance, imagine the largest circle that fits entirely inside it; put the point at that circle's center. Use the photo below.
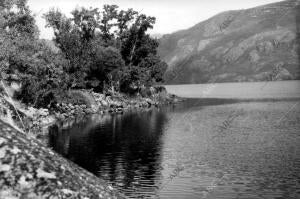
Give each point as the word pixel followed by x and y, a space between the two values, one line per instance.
pixel 201 148
pixel 245 90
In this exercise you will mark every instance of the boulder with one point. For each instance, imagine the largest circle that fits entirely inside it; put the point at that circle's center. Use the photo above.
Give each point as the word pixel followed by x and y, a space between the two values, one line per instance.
pixel 71 106
pixel 149 101
pixel 28 169
pixel 104 103
pixel 43 112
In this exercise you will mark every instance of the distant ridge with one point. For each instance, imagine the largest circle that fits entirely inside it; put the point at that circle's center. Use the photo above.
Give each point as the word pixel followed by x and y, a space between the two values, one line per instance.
pixel 256 44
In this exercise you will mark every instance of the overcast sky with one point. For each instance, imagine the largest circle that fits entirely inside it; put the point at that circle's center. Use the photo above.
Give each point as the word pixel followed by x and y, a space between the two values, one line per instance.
pixel 171 15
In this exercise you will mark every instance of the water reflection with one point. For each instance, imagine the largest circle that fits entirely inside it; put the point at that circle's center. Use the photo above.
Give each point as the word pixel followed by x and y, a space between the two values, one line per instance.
pixel 123 149
pixel 257 155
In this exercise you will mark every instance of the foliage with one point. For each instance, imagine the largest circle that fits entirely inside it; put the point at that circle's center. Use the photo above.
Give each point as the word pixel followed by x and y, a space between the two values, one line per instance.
pixel 16 18
pixel 95 48
pixel 44 78
pixel 16 25
pixel 103 44
pixel 37 68
pixel 106 61
pixel 129 78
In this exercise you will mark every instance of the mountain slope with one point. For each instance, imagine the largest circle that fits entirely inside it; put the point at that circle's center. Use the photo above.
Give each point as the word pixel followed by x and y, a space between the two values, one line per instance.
pixel 256 44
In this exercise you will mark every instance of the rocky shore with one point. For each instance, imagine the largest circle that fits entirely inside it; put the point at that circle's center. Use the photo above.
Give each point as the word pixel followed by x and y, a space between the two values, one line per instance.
pixel 36 121
pixel 30 170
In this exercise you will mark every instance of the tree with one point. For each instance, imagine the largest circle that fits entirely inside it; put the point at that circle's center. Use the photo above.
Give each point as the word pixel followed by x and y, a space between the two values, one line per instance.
pixel 17 29
pixel 108 15
pixel 16 18
pixel 37 67
pixel 43 78
pixel 154 68
pixel 106 61
pixel 135 37
pixel 124 18
pixel 100 45
pixel 86 21
pixel 74 37
pixel 84 40
pixel 129 79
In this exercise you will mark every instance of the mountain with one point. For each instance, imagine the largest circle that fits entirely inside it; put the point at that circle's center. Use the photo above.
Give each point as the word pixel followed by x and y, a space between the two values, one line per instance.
pixel 257 44
pixel 156 35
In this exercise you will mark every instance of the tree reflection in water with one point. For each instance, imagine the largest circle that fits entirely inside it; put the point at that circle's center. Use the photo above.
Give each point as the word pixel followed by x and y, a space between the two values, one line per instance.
pixel 123 149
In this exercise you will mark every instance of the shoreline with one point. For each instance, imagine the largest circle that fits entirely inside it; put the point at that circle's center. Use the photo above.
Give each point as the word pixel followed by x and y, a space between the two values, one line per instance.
pixel 37 121
pixel 31 170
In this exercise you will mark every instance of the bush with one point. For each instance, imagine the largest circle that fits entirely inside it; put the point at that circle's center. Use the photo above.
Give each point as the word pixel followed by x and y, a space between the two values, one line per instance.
pixel 94 49
pixel 72 99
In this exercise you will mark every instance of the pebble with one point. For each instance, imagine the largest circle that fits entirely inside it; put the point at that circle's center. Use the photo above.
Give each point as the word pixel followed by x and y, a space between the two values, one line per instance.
pixel 2 141
pixel 4 167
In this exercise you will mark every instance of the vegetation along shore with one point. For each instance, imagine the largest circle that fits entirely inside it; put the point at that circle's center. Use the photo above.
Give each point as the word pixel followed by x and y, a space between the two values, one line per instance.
pixel 100 60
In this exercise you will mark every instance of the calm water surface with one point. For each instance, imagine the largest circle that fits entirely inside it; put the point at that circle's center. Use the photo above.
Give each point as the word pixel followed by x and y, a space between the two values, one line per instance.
pixel 245 90
pixel 208 148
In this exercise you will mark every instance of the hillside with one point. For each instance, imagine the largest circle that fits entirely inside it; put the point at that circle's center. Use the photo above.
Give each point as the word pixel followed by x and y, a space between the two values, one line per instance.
pixel 255 44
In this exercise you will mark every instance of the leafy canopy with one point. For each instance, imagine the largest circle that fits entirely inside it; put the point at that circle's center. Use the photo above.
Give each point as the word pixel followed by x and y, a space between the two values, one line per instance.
pixel 94 49
pixel 101 45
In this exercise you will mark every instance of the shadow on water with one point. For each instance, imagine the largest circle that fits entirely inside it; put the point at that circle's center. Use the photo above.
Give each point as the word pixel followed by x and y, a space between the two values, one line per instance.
pixel 123 149
pixel 131 150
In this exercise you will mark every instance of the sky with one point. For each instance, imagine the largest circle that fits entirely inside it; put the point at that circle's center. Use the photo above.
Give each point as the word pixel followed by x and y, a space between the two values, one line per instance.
pixel 171 15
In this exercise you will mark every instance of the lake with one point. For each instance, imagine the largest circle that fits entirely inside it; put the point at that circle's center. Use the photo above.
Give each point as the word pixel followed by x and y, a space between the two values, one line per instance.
pixel 202 148
pixel 245 90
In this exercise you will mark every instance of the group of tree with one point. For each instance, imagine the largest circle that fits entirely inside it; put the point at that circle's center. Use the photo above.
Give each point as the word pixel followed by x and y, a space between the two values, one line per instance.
pixel 96 49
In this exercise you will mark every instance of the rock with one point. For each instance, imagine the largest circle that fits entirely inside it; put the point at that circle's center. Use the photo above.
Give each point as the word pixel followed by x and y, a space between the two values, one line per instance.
pixel 124 105
pixel 100 97
pixel 47 120
pixel 108 99
pixel 119 109
pixel 116 104
pixel 104 103
pixel 43 112
pixel 31 112
pixel 175 100
pixel 149 101
pixel 43 174
pixel 38 172
pixel 62 117
pixel 4 167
